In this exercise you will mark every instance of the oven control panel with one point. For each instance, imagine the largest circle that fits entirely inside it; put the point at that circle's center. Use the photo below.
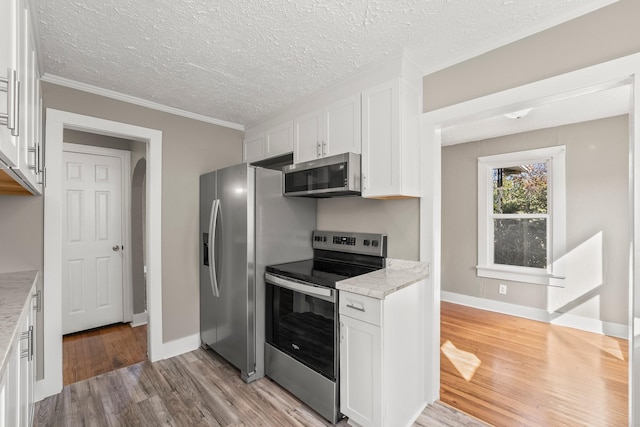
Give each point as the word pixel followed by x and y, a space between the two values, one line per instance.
pixel 360 243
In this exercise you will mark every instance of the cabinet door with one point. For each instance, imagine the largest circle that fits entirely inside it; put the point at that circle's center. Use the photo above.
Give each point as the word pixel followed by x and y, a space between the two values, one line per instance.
pixel 12 387
pixel 279 140
pixel 360 371
pixel 253 149
pixel 308 137
pixel 8 60
pixel 342 127
pixel 381 140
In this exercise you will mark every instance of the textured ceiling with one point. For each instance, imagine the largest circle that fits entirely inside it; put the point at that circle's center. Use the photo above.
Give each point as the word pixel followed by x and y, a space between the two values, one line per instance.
pixel 242 60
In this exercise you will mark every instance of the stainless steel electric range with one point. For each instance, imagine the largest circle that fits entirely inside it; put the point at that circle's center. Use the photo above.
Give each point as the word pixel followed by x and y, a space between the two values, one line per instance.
pixel 302 348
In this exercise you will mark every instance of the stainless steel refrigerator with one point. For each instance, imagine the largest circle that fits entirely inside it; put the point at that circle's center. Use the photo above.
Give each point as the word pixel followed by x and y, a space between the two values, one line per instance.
pixel 245 224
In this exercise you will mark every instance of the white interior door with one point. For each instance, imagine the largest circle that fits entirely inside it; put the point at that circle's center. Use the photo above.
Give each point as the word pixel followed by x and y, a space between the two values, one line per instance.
pixel 92 241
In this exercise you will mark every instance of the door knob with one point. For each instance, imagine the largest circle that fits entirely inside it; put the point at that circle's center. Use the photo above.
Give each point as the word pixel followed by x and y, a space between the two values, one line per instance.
pixel 116 248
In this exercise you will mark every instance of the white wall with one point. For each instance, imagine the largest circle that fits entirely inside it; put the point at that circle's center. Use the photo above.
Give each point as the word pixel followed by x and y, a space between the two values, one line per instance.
pixel 597 220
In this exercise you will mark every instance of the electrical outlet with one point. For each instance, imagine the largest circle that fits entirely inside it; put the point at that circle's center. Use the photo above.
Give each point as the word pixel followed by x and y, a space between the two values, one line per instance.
pixel 503 289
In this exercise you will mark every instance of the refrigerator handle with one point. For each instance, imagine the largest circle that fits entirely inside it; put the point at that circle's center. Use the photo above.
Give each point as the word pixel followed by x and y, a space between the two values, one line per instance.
pixel 213 220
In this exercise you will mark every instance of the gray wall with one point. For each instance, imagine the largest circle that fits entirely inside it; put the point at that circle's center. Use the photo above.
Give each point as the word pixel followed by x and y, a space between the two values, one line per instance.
pixel 95 140
pixel 597 220
pixel 399 219
pixel 605 34
pixel 190 148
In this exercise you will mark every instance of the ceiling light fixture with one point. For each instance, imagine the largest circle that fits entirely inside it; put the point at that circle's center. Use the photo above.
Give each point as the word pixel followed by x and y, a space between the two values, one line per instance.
pixel 518 114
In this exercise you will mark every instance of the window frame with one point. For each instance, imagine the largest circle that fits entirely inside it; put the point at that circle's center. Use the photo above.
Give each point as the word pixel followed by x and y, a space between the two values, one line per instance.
pixel 554 273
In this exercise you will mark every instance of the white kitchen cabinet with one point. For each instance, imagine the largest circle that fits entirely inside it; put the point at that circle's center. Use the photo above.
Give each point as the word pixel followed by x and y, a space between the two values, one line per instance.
pixel 278 140
pixel 391 140
pixel 382 357
pixel 274 142
pixel 21 144
pixel 253 149
pixel 331 130
pixel 8 83
pixel 18 380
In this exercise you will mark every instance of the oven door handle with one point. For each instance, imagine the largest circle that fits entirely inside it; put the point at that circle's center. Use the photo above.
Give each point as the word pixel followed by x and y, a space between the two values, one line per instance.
pixel 299 287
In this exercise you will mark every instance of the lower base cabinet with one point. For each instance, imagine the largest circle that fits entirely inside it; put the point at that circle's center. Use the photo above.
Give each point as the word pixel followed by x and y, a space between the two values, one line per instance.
pixel 18 380
pixel 382 357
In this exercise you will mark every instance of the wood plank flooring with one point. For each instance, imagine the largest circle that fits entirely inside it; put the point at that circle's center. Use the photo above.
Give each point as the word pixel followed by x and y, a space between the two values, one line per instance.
pixel 525 373
pixel 194 389
pixel 97 351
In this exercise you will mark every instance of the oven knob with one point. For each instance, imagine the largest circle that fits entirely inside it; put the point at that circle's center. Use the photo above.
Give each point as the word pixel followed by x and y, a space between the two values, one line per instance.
pixel 374 243
pixel 366 243
pixel 324 239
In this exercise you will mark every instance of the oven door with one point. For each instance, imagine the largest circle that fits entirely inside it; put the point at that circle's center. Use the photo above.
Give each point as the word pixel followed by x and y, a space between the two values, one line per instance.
pixel 301 322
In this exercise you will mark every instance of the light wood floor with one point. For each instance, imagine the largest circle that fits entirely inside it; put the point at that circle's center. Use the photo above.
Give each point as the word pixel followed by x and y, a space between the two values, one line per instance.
pixel 194 389
pixel 510 371
pixel 97 351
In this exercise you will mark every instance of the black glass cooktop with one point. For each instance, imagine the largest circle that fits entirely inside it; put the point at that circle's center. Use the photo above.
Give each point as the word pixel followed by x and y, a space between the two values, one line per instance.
pixel 320 272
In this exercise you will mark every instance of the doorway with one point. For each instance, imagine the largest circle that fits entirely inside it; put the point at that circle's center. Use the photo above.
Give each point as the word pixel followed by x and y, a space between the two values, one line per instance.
pixel 56 122
pixel 589 297
pixel 103 307
pixel 593 79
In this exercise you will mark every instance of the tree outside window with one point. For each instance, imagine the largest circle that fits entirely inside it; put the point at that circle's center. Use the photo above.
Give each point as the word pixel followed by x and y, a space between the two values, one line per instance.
pixel 522 216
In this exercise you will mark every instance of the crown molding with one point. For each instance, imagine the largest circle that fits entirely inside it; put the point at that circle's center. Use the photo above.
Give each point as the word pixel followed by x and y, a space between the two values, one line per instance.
pixel 61 81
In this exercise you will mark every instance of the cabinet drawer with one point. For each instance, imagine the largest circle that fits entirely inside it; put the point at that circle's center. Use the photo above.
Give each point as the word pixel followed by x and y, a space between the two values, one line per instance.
pixel 361 307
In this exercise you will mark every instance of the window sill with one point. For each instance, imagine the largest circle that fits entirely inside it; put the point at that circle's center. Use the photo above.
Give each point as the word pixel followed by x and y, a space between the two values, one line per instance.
pixel 521 275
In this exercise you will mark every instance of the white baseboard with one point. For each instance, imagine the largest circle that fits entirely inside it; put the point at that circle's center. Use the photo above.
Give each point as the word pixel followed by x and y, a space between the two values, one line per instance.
pixel 139 319
pixel 180 346
pixel 572 321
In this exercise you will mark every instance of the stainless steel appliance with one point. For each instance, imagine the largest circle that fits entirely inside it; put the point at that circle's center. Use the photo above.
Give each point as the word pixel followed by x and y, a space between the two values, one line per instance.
pixel 337 175
pixel 243 217
pixel 301 350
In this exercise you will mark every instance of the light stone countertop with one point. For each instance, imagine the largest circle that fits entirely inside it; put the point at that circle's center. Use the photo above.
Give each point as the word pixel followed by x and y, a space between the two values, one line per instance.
pixel 378 284
pixel 15 291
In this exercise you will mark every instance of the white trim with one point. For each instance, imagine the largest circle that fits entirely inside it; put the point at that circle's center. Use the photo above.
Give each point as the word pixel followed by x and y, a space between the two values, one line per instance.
pixel 125 157
pixel 56 122
pixel 610 74
pixel 553 273
pixel 139 319
pixel 181 346
pixel 561 319
pixel 61 81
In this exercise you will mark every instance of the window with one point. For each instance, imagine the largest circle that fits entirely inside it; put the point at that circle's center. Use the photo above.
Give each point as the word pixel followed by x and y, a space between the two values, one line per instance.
pixel 521 216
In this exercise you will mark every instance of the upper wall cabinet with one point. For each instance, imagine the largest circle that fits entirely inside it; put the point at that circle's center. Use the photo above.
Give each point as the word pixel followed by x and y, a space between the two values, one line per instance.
pixel 274 142
pixel 21 135
pixel 391 140
pixel 9 90
pixel 327 131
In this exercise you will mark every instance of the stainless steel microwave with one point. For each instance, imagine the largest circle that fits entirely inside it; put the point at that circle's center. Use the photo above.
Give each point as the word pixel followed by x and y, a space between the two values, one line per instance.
pixel 332 176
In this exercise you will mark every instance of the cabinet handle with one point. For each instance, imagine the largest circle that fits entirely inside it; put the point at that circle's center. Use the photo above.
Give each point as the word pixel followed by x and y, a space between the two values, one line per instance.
pixel 10 119
pixel 42 177
pixel 318 149
pixel 324 148
pixel 364 182
pixel 38 298
pixel 27 335
pixel 34 166
pixel 31 346
pixel 355 307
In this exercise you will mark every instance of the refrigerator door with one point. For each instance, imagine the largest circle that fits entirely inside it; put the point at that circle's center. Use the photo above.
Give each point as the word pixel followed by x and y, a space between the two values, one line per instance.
pixel 234 243
pixel 208 301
